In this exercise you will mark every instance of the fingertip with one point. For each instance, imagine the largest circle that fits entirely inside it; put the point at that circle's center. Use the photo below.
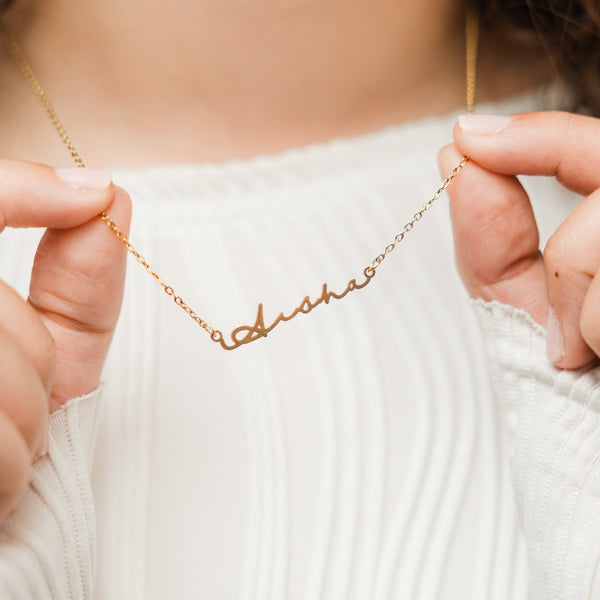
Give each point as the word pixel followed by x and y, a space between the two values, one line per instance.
pixel 447 158
pixel 38 195
pixel 44 444
pixel 565 346
pixel 84 178
pixel 482 136
pixel 575 360
pixel 124 199
pixel 475 124
pixel 571 291
pixel 120 209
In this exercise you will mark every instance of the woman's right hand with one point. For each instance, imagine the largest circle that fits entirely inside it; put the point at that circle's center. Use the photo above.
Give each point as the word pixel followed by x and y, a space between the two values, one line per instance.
pixel 53 345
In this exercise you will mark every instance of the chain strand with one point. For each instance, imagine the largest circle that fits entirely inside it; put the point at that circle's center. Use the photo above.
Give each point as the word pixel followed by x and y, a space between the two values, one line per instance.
pixel 472 40
pixel 19 57
pixel 472 46
pixel 416 217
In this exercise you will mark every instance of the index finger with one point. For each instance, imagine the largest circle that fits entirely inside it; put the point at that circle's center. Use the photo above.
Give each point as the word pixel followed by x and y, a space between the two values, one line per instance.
pixel 543 143
pixel 36 195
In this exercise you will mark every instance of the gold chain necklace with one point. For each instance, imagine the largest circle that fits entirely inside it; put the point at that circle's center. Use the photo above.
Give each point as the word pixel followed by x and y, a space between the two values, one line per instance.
pixel 249 333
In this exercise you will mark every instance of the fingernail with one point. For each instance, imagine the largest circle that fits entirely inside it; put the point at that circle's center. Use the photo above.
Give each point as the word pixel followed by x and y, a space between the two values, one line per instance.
pixel 44 444
pixel 83 178
pixel 483 124
pixel 555 342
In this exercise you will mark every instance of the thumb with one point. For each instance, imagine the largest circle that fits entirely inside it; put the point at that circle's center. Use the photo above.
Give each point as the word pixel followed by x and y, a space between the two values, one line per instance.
pixel 496 237
pixel 76 287
pixel 36 195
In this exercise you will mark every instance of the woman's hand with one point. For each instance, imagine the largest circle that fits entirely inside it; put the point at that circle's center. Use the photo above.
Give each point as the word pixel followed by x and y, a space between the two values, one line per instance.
pixel 53 346
pixel 496 236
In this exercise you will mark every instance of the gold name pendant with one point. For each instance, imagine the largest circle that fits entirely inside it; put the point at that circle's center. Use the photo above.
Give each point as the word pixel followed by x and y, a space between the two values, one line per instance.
pixel 249 333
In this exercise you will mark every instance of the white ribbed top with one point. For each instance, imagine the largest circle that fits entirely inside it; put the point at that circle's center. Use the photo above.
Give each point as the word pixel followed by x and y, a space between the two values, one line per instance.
pixel 356 453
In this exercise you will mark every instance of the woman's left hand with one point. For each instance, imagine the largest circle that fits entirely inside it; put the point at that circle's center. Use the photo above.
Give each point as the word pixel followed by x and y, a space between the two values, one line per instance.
pixel 496 236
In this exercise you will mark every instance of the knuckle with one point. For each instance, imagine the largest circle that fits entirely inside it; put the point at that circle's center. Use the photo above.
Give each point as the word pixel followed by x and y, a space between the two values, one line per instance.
pixel 564 123
pixel 567 122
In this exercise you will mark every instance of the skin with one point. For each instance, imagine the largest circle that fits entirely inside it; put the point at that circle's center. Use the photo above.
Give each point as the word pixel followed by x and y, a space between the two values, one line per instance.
pixel 207 81
pixel 215 80
pixel 53 345
pixel 496 234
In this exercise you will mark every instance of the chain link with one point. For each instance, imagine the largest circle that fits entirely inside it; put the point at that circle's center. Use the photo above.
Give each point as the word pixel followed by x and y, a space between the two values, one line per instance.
pixel 19 57
pixel 416 217
pixel 215 334
pixel 472 40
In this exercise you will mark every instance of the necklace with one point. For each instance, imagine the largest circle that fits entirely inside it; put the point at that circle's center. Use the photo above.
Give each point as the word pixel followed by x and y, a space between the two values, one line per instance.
pixel 249 333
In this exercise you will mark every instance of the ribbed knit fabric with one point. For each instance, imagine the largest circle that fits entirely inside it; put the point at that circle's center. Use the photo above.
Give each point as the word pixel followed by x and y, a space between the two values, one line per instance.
pixel 553 420
pixel 357 452
pixel 47 549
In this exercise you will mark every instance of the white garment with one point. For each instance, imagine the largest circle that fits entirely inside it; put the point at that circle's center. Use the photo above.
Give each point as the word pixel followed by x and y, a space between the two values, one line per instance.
pixel 356 453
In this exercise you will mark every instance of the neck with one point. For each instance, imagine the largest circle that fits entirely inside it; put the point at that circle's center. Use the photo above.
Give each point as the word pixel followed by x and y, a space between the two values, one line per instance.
pixel 150 81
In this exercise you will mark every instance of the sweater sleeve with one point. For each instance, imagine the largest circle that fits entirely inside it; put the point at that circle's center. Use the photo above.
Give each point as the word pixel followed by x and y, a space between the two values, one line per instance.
pixel 47 547
pixel 552 418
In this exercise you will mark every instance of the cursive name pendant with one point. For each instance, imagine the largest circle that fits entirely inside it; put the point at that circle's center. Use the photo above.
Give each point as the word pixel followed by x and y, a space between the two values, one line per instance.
pixel 258 330
pixel 249 333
